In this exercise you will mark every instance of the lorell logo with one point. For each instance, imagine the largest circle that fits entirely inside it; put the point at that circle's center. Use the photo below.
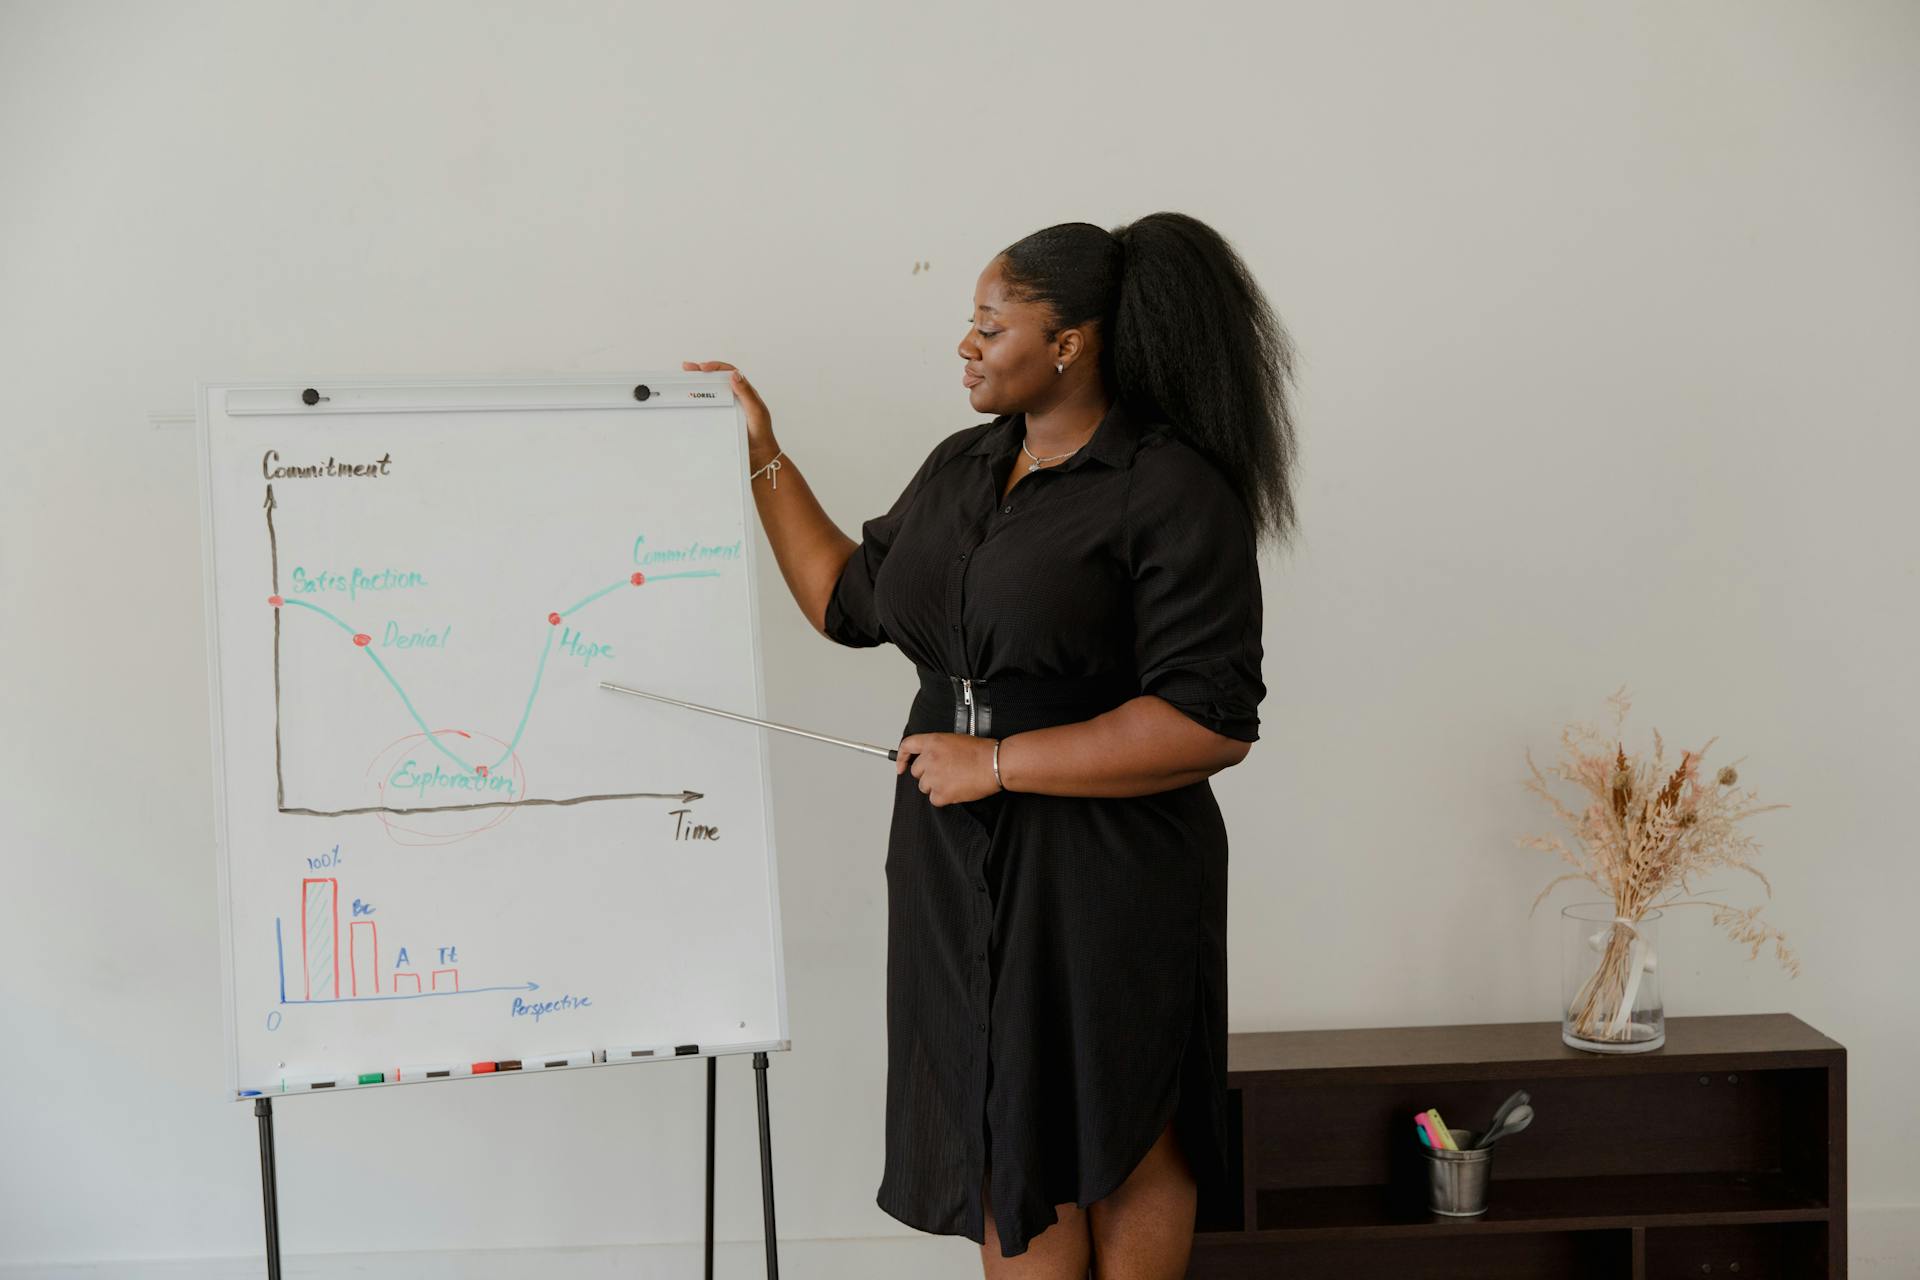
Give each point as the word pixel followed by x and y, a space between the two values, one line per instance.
pixel 701 395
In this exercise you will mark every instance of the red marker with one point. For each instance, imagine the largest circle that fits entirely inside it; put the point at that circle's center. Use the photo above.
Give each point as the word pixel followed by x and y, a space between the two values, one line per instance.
pixel 277 601
pixel 363 639
pixel 637 579
pixel 554 618
pixel 483 1068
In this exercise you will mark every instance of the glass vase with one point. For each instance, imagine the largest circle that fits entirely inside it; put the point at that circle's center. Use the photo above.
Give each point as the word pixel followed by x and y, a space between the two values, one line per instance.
pixel 1609 982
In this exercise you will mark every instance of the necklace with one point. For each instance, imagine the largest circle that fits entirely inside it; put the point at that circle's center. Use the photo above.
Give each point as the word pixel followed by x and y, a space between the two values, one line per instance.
pixel 1055 457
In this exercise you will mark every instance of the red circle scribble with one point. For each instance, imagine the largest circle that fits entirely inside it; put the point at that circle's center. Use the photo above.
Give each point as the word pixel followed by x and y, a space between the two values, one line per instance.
pixel 554 618
pixel 397 826
pixel 276 601
pixel 363 639
pixel 638 579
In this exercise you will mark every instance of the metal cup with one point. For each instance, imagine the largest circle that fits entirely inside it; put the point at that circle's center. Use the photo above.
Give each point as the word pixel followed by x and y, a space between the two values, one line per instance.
pixel 1457 1180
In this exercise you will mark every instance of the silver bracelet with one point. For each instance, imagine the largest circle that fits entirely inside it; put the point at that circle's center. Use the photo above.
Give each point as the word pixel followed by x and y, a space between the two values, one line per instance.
pixel 996 764
pixel 773 465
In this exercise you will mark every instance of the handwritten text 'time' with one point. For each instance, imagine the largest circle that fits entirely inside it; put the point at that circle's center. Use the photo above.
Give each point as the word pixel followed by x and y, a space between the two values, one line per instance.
pixel 685 830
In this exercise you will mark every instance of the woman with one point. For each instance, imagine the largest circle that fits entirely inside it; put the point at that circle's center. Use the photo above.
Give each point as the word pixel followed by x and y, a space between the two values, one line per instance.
pixel 1076 582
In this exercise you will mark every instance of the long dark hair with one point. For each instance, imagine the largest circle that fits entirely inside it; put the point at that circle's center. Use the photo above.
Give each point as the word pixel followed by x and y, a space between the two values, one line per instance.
pixel 1187 339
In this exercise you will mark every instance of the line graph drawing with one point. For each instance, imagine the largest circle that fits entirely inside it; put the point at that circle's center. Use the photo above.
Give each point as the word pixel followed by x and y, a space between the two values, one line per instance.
pixel 444 740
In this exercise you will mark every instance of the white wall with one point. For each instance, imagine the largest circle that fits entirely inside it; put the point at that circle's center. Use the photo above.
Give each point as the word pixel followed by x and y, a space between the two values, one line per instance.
pixel 1601 311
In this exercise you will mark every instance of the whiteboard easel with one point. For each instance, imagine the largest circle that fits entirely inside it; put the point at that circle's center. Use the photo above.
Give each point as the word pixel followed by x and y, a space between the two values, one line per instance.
pixel 444 852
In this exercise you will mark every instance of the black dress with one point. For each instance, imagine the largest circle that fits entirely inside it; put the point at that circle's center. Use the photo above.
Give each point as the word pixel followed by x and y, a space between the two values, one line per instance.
pixel 1056 965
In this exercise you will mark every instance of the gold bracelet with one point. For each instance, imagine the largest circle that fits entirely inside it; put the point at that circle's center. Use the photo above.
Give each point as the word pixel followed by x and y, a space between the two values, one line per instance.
pixel 773 465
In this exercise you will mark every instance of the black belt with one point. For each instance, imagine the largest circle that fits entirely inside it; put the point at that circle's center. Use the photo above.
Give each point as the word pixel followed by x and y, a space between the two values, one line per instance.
pixel 1012 704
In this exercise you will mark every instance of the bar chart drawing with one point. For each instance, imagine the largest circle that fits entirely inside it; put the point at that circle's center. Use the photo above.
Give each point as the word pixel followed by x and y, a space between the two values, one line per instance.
pixel 317 971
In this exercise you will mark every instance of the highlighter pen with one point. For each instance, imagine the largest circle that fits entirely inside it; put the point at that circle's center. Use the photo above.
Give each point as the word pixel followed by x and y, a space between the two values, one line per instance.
pixel 1440 1130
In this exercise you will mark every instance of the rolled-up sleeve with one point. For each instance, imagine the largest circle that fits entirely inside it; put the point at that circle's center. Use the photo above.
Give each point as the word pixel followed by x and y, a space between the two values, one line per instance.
pixel 851 617
pixel 1193 556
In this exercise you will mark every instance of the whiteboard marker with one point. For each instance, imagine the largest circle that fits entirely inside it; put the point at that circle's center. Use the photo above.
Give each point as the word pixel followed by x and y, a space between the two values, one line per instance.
pixel 549 1061
pixel 405 1075
pixel 301 1084
pixel 633 1053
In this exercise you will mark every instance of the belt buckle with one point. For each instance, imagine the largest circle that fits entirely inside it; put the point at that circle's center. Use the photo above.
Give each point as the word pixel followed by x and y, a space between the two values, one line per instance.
pixel 972 715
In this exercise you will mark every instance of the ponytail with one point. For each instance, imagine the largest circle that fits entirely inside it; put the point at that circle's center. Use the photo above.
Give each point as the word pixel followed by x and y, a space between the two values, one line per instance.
pixel 1188 339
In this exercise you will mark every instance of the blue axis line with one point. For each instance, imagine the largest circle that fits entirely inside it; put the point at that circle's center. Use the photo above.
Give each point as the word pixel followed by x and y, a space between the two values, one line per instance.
pixel 538 672
pixel 421 995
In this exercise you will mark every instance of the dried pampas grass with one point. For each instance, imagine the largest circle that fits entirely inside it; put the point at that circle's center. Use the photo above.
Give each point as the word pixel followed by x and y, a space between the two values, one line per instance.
pixel 1646 833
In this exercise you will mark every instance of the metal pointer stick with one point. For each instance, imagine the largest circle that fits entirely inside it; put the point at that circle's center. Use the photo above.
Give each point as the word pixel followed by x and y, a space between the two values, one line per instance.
pixel 890 753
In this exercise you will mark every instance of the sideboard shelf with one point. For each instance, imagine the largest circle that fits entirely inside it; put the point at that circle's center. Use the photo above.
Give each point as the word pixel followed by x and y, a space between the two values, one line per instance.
pixel 1722 1153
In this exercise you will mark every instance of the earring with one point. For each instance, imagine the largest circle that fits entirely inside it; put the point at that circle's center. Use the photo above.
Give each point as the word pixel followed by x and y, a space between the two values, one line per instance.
pixel 1059 368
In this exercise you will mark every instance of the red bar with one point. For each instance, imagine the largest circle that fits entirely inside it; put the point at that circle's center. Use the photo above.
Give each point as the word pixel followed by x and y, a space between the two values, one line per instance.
pixel 452 973
pixel 399 978
pixel 353 952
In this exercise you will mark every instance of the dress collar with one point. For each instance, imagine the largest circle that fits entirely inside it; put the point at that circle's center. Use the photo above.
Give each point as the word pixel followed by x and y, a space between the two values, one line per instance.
pixel 1114 440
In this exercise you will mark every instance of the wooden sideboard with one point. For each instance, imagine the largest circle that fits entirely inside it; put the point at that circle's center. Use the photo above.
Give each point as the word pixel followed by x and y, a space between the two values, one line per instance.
pixel 1721 1154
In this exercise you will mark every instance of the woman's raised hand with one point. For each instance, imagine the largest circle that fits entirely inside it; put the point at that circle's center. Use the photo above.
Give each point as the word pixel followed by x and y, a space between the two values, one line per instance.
pixel 811 552
pixel 759 420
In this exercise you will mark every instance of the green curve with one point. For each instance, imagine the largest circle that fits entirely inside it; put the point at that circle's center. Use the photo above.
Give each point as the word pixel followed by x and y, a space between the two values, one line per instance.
pixel 538 672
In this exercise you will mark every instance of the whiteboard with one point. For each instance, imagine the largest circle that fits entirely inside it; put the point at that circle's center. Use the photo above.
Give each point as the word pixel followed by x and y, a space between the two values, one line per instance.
pixel 444 851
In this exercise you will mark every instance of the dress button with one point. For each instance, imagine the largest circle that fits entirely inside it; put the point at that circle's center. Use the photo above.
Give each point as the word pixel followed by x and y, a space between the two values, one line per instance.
pixel 981 885
pixel 981 1025
pixel 963 555
pixel 1006 511
pixel 953 626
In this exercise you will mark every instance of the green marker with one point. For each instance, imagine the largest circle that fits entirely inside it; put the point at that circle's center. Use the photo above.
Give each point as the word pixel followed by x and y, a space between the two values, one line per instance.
pixel 374 1077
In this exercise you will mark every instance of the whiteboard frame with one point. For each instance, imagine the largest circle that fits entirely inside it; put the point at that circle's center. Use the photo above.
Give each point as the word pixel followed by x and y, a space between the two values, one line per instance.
pixel 435 393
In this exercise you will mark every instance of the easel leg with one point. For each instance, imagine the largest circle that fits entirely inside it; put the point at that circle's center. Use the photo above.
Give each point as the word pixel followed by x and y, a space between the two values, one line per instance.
pixel 766 1166
pixel 269 1192
pixel 712 1065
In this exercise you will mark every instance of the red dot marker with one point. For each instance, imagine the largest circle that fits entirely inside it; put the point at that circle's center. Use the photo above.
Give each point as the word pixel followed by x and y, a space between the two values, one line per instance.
pixel 363 639
pixel 554 618
pixel 637 579
pixel 275 601
pixel 480 769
